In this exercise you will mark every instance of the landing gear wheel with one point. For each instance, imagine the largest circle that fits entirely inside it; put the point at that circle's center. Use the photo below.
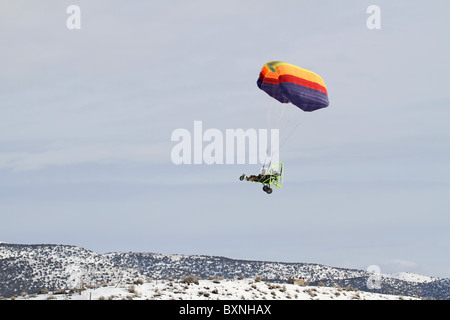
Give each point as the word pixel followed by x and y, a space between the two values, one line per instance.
pixel 242 177
pixel 267 189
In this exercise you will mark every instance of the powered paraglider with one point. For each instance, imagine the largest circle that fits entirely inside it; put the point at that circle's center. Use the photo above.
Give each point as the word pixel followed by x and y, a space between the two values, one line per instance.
pixel 288 83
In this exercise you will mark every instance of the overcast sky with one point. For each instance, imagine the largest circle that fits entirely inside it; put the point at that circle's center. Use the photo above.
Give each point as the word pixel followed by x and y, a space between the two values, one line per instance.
pixel 86 118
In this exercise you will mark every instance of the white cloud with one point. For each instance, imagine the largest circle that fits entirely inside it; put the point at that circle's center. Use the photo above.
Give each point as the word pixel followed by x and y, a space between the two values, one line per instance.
pixel 399 265
pixel 100 153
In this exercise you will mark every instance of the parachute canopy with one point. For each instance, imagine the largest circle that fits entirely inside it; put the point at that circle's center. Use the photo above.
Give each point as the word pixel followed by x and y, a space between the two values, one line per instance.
pixel 289 83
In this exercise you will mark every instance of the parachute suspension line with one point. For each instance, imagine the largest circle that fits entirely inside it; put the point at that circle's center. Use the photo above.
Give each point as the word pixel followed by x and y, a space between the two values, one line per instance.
pixel 269 110
pixel 270 125
pixel 264 164
pixel 286 120
pixel 289 134
pixel 265 159
pixel 279 118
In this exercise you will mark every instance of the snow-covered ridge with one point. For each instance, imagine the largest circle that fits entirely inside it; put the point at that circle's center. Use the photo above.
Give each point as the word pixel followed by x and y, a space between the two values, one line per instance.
pixel 215 289
pixel 412 277
pixel 31 268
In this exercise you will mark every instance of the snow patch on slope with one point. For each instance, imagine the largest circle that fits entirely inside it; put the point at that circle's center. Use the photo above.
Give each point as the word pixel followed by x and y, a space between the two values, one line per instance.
pixel 244 289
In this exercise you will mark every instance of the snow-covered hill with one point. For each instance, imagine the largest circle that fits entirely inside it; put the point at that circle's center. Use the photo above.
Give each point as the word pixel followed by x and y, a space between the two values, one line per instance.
pixel 31 268
pixel 62 268
pixel 215 289
pixel 408 276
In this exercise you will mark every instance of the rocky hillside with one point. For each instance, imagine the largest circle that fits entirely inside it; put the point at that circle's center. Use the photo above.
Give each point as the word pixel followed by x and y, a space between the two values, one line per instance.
pixel 30 268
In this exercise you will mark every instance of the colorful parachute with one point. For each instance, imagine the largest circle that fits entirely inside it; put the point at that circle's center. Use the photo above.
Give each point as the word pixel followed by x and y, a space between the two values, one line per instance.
pixel 289 83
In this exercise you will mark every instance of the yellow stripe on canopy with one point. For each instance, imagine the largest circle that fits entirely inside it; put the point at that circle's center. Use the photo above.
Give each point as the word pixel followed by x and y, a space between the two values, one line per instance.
pixel 283 68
